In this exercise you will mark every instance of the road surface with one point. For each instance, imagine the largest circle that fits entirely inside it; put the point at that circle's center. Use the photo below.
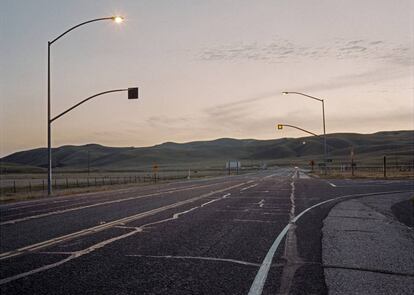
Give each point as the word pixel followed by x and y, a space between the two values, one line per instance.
pixel 250 234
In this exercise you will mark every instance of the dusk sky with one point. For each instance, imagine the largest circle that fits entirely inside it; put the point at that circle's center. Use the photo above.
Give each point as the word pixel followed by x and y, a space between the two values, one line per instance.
pixel 205 69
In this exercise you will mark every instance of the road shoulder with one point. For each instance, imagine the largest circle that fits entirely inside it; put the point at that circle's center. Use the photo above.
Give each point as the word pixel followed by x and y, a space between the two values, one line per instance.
pixel 366 250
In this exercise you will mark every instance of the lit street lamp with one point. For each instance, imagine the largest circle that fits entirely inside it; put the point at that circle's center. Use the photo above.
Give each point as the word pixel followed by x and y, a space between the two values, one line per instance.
pixel 116 19
pixel 323 118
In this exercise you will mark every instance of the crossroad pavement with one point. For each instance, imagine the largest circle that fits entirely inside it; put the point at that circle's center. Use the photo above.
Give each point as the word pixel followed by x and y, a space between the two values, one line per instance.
pixel 257 233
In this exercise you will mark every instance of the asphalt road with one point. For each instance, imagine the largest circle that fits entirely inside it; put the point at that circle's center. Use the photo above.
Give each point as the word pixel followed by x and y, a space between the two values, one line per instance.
pixel 228 235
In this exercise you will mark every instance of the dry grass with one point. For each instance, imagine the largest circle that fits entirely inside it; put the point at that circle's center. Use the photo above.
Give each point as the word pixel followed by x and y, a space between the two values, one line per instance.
pixel 393 174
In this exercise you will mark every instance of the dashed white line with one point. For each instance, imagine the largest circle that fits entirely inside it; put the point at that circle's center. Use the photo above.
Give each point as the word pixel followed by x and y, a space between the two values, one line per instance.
pixel 197 258
pixel 250 186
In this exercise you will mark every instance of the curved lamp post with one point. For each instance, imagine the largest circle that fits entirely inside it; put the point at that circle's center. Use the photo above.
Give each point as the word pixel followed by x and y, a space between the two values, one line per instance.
pixel 280 127
pixel 116 19
pixel 323 118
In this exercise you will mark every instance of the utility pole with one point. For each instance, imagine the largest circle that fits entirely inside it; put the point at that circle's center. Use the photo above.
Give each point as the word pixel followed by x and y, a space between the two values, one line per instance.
pixel 89 164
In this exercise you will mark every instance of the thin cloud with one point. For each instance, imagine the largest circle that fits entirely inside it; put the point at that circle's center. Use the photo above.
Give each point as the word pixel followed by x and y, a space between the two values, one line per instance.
pixel 284 50
pixel 243 107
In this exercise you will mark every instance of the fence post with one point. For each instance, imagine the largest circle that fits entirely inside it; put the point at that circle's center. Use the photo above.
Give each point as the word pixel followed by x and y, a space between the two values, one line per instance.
pixel 385 166
pixel 67 183
pixel 14 186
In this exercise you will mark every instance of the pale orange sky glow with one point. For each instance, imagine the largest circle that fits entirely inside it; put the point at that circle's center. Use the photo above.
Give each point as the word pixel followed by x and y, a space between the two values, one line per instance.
pixel 205 69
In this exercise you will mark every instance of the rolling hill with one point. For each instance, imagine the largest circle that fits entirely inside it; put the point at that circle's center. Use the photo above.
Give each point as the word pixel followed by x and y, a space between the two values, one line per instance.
pixel 367 147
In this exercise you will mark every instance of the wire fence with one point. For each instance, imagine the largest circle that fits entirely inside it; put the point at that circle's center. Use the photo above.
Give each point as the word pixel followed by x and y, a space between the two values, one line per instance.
pixel 37 184
pixel 385 171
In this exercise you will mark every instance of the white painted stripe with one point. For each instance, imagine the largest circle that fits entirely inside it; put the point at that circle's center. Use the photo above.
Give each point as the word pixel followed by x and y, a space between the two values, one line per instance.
pixel 303 175
pixel 246 188
pixel 331 184
pixel 76 254
pixel 99 204
pixel 260 279
pixel 104 226
pixel 197 258
pixel 73 256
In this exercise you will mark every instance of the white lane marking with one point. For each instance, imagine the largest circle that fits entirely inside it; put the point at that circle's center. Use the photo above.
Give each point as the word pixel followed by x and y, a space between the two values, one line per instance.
pixel 331 184
pixel 261 203
pixel 250 186
pixel 98 204
pixel 99 245
pixel 28 206
pixel 197 258
pixel 271 175
pixel 215 200
pixel 303 175
pixel 44 210
pixel 374 185
pixel 73 256
pixel 259 281
pixel 55 253
pixel 102 227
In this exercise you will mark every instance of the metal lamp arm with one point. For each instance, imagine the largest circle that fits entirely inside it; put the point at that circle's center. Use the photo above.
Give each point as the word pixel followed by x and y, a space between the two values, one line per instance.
pixel 83 101
pixel 81 24
pixel 313 97
pixel 301 129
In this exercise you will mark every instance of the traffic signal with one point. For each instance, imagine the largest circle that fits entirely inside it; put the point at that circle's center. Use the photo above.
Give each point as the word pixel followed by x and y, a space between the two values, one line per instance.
pixel 133 93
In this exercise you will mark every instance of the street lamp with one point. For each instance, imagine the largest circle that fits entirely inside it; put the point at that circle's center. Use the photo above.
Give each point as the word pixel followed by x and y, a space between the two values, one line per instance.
pixel 323 118
pixel 116 19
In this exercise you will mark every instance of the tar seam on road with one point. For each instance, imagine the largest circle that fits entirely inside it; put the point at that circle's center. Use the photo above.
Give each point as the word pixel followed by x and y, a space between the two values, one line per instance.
pixel 198 258
pixel 370 270
pixel 260 279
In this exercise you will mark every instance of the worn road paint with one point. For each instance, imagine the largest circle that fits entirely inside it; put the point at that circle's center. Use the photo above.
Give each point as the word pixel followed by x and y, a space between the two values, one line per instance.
pixel 14 221
pixel 261 276
pixel 198 258
pixel 99 245
pixel 246 188
pixel 107 225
